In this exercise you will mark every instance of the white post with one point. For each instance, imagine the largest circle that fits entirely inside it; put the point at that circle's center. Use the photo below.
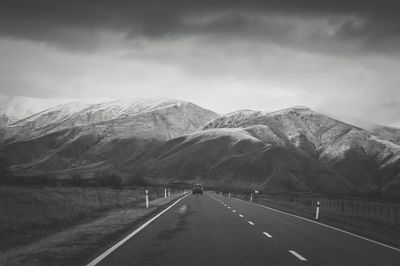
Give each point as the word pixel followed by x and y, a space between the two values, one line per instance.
pixel 229 194
pixel 251 197
pixel 147 199
pixel 165 193
pixel 169 192
pixel 220 193
pixel 317 212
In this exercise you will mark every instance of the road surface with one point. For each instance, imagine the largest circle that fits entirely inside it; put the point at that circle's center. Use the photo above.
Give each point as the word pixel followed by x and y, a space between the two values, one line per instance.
pixel 216 230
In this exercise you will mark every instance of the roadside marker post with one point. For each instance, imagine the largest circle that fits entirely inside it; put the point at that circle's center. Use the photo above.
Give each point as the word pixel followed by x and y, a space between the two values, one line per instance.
pixel 229 195
pixel 169 192
pixel 251 197
pixel 317 211
pixel 147 199
pixel 165 193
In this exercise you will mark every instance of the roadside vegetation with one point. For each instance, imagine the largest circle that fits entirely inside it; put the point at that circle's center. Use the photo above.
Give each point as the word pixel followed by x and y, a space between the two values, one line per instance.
pixel 29 213
pixel 378 219
pixel 78 244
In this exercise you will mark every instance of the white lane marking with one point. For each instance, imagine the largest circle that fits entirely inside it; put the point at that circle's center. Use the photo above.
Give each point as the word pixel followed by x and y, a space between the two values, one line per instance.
pixel 325 225
pixel 241 215
pixel 297 255
pixel 120 243
pixel 250 222
pixel 229 207
pixel 233 211
pixel 268 235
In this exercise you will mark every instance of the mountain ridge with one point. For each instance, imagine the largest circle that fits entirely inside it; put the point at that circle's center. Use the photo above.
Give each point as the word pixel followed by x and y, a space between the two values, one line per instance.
pixel 163 140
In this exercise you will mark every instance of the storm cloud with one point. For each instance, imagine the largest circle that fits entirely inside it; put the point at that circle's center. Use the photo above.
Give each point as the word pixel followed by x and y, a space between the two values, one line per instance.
pixel 75 24
pixel 339 57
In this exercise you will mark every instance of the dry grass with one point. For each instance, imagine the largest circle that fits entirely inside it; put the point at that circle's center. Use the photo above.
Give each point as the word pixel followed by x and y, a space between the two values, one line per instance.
pixel 76 245
pixel 31 213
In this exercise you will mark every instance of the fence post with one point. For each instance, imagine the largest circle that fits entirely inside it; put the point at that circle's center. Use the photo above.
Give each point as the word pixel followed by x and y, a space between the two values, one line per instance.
pixel 147 199
pixel 317 211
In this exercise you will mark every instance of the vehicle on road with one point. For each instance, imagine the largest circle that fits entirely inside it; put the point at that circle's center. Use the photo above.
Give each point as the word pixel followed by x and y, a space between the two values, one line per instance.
pixel 197 189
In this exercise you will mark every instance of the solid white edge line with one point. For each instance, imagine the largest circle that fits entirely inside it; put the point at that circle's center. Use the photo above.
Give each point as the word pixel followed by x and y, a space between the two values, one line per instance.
pixel 268 235
pixel 117 245
pixel 250 222
pixel 297 255
pixel 325 225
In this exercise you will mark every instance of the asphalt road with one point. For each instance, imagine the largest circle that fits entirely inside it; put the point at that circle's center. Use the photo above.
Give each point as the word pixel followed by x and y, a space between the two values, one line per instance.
pixel 215 230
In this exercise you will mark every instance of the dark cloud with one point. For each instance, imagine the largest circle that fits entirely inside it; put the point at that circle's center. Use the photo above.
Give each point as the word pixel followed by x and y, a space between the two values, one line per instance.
pixel 75 23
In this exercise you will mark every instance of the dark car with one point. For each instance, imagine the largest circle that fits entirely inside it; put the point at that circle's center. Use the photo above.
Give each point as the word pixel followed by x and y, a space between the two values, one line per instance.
pixel 197 189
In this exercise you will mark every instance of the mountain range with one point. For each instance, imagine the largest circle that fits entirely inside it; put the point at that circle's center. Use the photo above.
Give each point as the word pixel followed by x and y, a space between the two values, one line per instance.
pixel 295 150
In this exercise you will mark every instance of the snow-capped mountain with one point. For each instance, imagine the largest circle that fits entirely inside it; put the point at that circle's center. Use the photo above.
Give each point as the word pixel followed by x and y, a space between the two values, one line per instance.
pixel 76 135
pixel 163 140
pixel 128 117
pixel 366 161
pixel 13 109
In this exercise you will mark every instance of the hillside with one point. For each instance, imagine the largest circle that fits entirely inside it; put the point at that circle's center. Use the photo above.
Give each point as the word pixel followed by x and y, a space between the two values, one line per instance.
pixel 72 136
pixel 144 116
pixel 295 150
pixel 391 134
pixel 367 162
pixel 252 157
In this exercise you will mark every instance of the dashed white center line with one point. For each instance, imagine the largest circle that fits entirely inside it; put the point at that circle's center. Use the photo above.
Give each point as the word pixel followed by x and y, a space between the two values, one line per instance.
pixel 268 235
pixel 229 207
pixel 241 215
pixel 297 255
pixel 233 211
pixel 250 222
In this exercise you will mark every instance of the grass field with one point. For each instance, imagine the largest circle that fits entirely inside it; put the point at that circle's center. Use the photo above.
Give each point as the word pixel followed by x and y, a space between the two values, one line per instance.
pixel 78 244
pixel 29 213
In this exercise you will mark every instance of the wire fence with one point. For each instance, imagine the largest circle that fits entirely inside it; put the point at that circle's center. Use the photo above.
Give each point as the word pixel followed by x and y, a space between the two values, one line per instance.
pixel 379 220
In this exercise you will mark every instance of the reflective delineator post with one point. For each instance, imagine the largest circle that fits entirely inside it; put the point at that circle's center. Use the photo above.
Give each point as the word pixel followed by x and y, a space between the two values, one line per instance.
pixel 229 194
pixel 317 211
pixel 165 193
pixel 147 199
pixel 251 197
pixel 169 192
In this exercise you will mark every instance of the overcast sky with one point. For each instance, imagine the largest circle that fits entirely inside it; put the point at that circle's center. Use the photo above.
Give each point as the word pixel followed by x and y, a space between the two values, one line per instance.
pixel 339 58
